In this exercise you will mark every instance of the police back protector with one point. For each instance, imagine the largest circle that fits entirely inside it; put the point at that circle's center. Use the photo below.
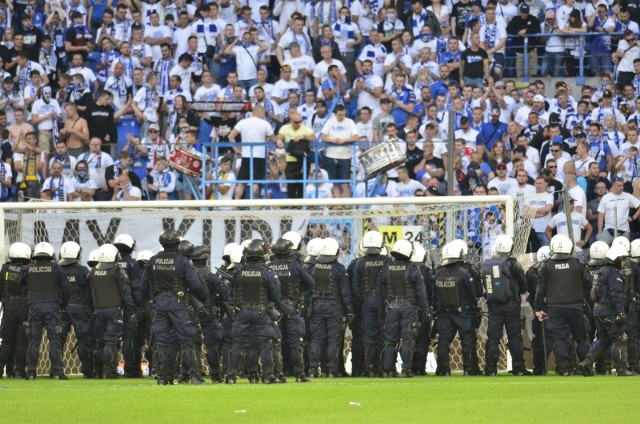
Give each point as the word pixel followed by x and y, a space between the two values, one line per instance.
pixel 449 288
pixel 399 289
pixel 163 273
pixel 10 274
pixel 104 288
pixel 373 264
pixel 77 283
pixel 42 282
pixel 289 290
pixel 496 280
pixel 564 283
pixel 249 292
pixel 325 285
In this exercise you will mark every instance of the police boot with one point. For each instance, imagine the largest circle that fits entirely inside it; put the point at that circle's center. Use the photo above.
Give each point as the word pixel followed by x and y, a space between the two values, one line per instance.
pixel 197 380
pixel 302 378
pixel 419 364
pixel 620 358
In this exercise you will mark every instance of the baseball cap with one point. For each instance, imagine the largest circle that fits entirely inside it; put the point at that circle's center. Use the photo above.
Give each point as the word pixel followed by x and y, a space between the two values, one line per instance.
pixel 554 117
pixel 500 84
pixel 154 126
pixel 501 165
pixel 607 93
pixel 581 135
pixel 76 15
pixel 433 191
pixel 572 200
pixel 473 165
pixel 538 98
pixel 558 139
pixel 524 8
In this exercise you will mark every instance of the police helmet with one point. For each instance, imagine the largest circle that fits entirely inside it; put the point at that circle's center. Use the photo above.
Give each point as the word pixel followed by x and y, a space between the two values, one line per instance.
pixel 200 253
pixel 635 248
pixel 282 247
pixel 622 242
pixel 245 243
pixel 361 250
pixel 451 253
pixel 372 242
pixel 402 250
pixel 107 256
pixel 463 246
pixel 169 237
pixel 313 249
pixel 616 254
pixel 543 253
pixel 144 256
pixel 20 252
pixel 384 251
pixel 94 255
pixel 125 242
pixel 235 255
pixel 186 248
pixel 329 251
pixel 561 244
pixel 227 251
pixel 419 254
pixel 69 253
pixel 503 245
pixel 43 251
pixel 294 238
pixel 598 250
pixel 255 249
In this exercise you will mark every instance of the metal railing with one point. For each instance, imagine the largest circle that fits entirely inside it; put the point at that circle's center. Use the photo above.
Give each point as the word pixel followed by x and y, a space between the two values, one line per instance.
pixel 583 43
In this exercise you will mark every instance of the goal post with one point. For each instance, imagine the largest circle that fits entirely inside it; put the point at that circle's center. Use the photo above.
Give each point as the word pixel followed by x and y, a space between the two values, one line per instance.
pixel 429 221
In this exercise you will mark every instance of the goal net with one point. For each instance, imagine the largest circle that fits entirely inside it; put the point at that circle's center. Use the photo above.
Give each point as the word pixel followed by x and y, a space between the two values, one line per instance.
pixel 429 221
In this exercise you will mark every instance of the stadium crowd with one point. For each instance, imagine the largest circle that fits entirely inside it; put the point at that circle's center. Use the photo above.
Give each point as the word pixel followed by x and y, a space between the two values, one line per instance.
pixel 101 100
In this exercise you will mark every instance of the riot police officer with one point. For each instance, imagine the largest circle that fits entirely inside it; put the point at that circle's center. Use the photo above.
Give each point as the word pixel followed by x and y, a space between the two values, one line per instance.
pixel 633 318
pixel 357 340
pixel 561 287
pixel 538 348
pixel 212 322
pixel 92 260
pixel 232 257
pixel 330 305
pixel 475 311
pixel 404 292
pixel 629 278
pixel 597 259
pixel 170 277
pixel 254 286
pixel 143 261
pixel 132 340
pixel 313 251
pixel 365 282
pixel 294 281
pixel 76 313
pixel 109 292
pixel 15 311
pixel 455 297
pixel 423 336
pixel 611 305
pixel 505 285
pixel 296 245
pixel 48 292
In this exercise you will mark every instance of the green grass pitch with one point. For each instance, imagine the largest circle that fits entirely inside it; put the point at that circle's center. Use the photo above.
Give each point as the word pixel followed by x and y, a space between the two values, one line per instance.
pixel 454 399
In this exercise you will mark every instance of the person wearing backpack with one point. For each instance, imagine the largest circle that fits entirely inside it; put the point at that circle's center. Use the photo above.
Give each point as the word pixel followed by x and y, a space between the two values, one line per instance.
pixel 505 285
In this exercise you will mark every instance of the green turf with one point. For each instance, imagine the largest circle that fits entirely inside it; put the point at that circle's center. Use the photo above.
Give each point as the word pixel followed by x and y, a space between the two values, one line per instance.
pixel 454 399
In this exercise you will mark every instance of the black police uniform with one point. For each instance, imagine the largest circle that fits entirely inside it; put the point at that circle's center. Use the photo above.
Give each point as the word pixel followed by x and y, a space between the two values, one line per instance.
pixel 365 281
pixel 455 297
pixel 170 276
pixel 212 322
pixel 330 302
pixel 108 293
pixel 133 337
pixel 14 319
pixel 294 281
pixel 537 344
pixel 253 287
pixel 47 292
pixel 563 280
pixel 76 316
pixel 633 316
pixel 404 292
pixel 357 338
pixel 476 317
pixel 227 319
pixel 423 337
pixel 505 282
pixel 611 304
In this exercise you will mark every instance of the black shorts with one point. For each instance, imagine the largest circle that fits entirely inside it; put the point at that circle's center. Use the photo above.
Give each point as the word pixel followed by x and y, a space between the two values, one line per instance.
pixel 259 169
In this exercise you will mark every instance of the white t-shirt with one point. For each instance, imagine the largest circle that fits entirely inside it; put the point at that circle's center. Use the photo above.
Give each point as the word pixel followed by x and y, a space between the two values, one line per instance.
pixel 538 202
pixel 59 186
pixel 184 74
pixel 254 130
pixel 98 164
pixel 319 191
pixel 246 60
pixel 409 188
pixel 365 98
pixel 623 203
pixel 161 31
pixel 282 88
pixel 578 194
pixel 503 186
pixel 88 185
pixel 132 190
pixel 345 129
pixel 41 108
pixel 322 69
pixel 578 222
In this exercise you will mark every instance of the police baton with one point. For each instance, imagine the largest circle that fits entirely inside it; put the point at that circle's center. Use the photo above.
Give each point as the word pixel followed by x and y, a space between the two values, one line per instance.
pixel 544 345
